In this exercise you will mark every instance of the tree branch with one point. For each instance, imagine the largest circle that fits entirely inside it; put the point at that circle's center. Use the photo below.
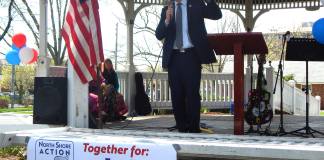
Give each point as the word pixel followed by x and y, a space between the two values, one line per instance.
pixel 139 9
pixel 54 28
pixel 60 38
pixel 123 6
pixel 32 15
pixel 21 14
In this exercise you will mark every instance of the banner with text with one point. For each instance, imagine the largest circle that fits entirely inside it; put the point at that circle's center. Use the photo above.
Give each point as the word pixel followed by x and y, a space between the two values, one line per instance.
pixel 42 148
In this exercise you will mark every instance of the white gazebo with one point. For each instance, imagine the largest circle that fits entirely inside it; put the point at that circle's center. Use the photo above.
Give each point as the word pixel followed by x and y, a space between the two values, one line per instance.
pixel 248 10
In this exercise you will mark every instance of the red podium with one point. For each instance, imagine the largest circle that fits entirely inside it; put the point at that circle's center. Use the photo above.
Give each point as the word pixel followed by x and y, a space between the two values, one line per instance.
pixel 238 44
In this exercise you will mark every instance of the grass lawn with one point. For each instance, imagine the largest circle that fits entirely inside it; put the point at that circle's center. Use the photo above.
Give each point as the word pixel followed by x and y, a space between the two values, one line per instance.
pixel 322 113
pixel 12 153
pixel 22 110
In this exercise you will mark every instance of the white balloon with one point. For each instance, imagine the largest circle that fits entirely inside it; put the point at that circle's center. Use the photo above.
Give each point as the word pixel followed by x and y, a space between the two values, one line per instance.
pixel 26 55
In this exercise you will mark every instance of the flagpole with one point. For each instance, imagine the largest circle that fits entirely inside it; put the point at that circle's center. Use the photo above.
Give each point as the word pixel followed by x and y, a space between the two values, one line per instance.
pixel 116 46
pixel 100 97
pixel 43 60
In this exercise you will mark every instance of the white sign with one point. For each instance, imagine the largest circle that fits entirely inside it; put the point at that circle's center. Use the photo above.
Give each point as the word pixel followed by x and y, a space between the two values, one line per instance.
pixel 41 148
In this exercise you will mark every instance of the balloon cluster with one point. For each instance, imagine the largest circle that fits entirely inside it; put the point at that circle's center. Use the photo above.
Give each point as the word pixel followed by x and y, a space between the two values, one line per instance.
pixel 318 30
pixel 19 52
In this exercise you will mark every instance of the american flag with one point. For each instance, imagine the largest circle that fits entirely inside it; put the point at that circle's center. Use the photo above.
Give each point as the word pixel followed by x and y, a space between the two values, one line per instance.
pixel 82 35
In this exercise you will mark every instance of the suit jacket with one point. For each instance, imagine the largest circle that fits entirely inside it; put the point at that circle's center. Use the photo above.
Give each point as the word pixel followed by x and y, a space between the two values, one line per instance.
pixel 197 11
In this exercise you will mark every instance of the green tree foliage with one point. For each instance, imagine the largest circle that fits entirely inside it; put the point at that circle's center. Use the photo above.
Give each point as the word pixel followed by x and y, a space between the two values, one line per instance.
pixel 24 81
pixel 289 77
pixel 274 43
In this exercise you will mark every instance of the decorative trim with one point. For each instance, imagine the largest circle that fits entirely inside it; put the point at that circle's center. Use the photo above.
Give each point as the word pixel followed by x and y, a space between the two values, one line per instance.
pixel 257 4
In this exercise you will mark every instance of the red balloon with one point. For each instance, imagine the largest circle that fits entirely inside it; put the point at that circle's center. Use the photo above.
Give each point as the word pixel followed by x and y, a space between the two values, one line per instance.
pixel 19 40
pixel 35 57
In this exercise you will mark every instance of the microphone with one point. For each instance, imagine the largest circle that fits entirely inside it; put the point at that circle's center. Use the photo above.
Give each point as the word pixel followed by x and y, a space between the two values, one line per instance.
pixel 287 36
pixel 287 33
pixel 170 2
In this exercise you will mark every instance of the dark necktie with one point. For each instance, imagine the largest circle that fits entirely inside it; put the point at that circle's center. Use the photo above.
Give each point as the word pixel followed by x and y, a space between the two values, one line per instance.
pixel 179 37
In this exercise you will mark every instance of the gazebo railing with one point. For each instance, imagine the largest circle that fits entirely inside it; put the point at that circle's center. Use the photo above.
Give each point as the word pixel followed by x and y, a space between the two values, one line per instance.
pixel 217 92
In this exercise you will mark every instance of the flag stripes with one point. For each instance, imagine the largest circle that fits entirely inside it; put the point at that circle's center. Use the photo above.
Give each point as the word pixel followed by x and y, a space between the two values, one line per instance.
pixel 82 35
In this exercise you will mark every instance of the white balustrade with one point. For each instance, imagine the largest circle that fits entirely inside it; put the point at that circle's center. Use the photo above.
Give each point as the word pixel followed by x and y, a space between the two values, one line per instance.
pixel 217 91
pixel 294 100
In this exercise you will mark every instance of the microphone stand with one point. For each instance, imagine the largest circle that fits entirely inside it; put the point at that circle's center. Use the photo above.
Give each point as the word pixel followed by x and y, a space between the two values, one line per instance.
pixel 281 129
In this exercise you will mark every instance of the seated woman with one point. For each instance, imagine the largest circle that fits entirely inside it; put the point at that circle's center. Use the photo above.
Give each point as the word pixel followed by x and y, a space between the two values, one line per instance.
pixel 116 100
pixel 109 74
pixel 113 105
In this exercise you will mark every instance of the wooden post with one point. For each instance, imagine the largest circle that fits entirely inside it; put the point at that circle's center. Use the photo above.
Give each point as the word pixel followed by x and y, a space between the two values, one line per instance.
pixel 238 90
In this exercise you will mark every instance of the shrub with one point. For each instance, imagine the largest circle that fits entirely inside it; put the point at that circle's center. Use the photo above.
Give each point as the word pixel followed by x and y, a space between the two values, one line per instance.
pixel 4 101
pixel 18 151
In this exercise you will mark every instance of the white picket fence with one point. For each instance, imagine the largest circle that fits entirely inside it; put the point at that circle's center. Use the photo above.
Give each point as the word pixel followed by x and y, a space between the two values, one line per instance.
pixel 294 100
pixel 217 92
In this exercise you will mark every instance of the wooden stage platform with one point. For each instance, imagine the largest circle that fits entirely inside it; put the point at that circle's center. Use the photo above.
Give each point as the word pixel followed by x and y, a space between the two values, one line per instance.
pixel 220 145
pixel 219 123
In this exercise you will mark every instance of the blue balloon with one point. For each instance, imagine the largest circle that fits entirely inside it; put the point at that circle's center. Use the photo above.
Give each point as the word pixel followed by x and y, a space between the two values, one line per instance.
pixel 318 30
pixel 14 47
pixel 12 57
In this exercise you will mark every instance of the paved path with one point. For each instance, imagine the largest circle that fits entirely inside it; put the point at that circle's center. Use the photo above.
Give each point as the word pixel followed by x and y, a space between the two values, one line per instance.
pixel 16 122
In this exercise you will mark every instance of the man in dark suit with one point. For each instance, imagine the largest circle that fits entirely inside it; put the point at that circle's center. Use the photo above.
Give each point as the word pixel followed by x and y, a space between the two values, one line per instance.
pixel 185 48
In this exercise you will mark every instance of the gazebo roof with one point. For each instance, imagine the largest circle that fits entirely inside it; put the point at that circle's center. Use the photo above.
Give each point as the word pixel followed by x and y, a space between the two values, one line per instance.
pixel 257 4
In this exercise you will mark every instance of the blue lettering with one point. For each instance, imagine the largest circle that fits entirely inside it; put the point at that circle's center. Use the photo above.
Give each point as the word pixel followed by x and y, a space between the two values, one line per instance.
pixel 59 145
pixel 42 144
pixel 41 151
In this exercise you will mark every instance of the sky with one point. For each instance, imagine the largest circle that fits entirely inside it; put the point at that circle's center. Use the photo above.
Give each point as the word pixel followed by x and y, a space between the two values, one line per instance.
pixel 111 13
pixel 280 20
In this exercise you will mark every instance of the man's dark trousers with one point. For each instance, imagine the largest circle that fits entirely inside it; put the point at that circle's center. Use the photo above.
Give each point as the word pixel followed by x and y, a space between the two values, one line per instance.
pixel 184 77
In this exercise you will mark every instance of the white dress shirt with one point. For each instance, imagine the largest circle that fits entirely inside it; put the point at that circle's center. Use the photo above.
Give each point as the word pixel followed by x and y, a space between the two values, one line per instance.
pixel 186 38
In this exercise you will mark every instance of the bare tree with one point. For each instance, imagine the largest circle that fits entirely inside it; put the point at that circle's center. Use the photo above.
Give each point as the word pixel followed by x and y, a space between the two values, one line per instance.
pixel 58 9
pixel 274 41
pixel 148 50
pixel 228 24
pixel 6 21
pixel 147 22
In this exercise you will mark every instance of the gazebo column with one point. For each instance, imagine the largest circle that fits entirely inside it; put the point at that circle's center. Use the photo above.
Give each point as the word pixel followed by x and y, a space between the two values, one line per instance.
pixel 249 21
pixel 130 15
pixel 249 25
pixel 131 89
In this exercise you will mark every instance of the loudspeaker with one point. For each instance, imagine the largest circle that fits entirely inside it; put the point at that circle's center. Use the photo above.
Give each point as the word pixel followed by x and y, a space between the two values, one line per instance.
pixel 50 100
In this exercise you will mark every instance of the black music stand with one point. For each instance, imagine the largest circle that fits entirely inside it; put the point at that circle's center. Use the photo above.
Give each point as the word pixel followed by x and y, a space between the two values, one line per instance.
pixel 305 49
